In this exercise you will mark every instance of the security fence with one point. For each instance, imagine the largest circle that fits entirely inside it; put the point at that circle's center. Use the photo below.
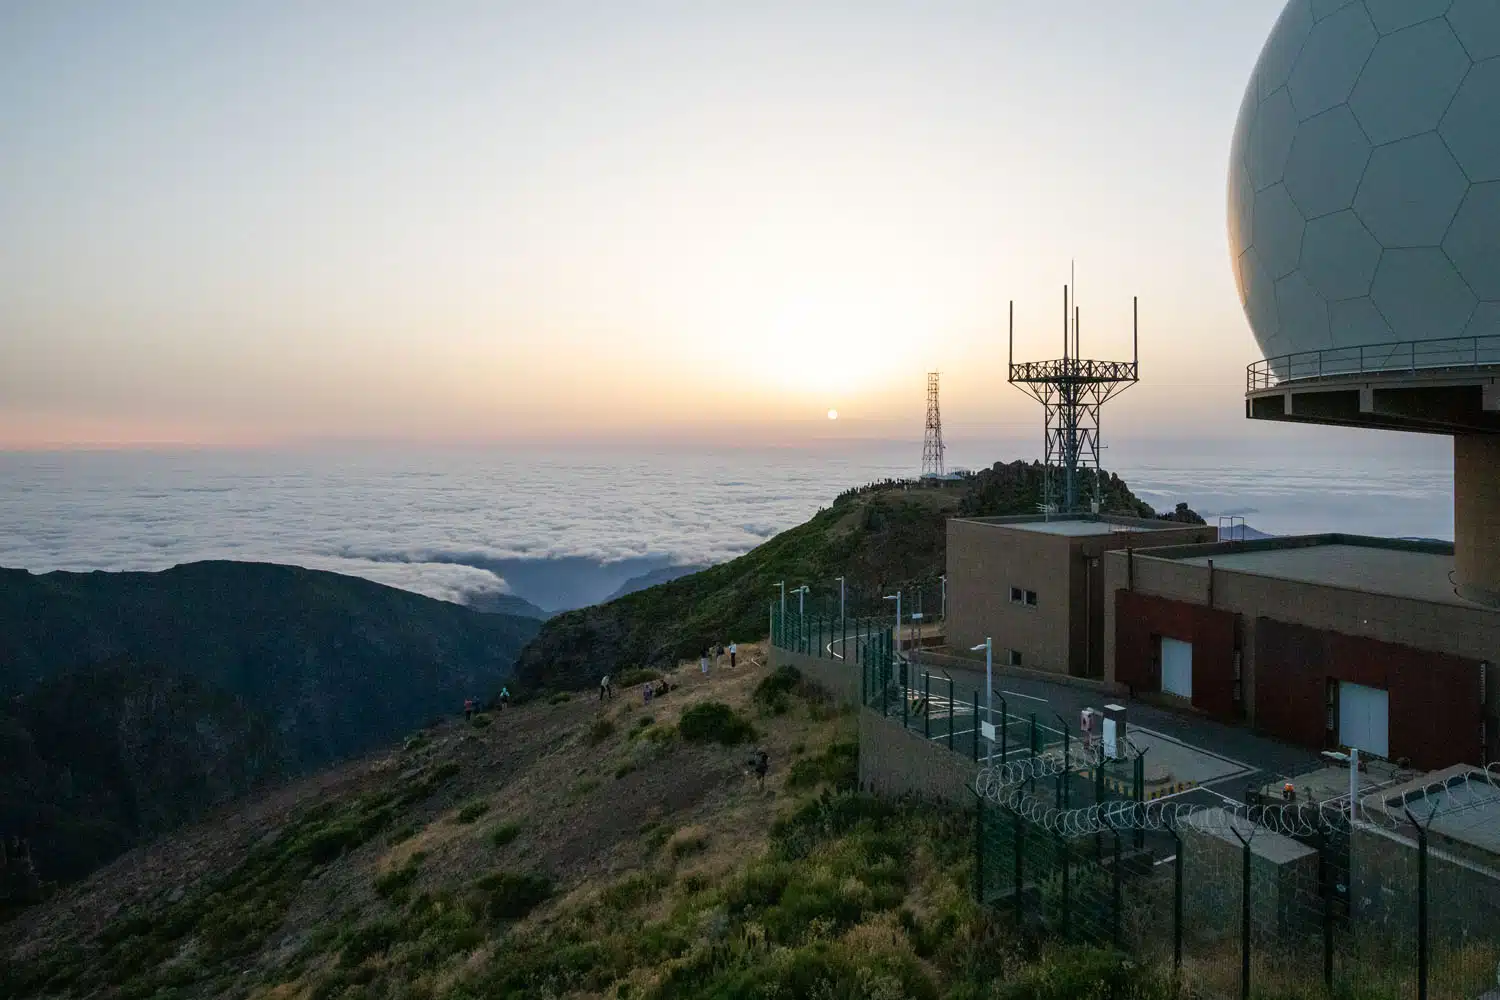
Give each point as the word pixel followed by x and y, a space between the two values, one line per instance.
pixel 1395 896
pixel 1390 893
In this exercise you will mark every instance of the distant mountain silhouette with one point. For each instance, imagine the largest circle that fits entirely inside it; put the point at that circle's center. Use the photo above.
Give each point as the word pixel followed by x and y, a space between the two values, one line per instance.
pixel 154 695
pixel 664 575
pixel 506 604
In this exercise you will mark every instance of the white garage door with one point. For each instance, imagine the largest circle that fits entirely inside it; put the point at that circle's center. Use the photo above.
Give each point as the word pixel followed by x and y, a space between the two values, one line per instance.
pixel 1364 716
pixel 1177 667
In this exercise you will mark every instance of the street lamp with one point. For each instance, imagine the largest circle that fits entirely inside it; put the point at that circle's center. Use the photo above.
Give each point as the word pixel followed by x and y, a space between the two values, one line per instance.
pixel 989 687
pixel 801 593
pixel 944 581
pixel 782 585
pixel 841 598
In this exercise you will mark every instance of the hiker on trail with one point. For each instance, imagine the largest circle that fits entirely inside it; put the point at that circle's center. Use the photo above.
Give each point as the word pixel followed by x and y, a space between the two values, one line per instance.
pixel 646 692
pixel 604 689
pixel 468 709
pixel 504 697
pixel 761 763
pixel 703 661
pixel 733 648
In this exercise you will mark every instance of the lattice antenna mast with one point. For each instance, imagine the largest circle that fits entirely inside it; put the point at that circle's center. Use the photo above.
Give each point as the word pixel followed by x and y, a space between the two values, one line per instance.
pixel 1072 392
pixel 932 440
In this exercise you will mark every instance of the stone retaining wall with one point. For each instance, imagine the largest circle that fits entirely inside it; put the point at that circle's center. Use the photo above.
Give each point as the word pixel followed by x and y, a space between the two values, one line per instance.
pixel 894 762
pixel 840 678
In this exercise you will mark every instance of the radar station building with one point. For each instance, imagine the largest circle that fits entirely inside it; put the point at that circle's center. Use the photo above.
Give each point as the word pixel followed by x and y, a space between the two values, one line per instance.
pixel 1324 641
pixel 1035 586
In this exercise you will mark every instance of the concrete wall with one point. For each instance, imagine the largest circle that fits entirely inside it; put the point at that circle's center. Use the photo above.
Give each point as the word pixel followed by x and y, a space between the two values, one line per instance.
pixel 1284 898
pixel 985 561
pixel 1463 897
pixel 895 762
pixel 1470 633
pixel 1065 632
pixel 840 678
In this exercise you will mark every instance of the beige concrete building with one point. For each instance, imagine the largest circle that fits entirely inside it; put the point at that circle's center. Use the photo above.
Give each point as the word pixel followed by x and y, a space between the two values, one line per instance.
pixel 1322 640
pixel 1035 585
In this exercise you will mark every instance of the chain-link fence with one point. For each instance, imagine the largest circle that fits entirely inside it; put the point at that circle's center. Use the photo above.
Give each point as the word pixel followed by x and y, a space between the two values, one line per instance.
pixel 1393 897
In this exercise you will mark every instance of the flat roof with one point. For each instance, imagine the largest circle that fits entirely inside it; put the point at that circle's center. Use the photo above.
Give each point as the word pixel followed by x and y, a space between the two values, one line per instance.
pixel 1416 570
pixel 1079 525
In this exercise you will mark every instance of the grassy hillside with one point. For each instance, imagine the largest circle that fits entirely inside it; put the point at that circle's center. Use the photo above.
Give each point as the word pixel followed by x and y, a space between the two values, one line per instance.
pixel 555 850
pixel 878 537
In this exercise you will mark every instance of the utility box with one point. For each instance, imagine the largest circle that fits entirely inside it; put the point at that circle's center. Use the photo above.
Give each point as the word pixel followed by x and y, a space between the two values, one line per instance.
pixel 1113 732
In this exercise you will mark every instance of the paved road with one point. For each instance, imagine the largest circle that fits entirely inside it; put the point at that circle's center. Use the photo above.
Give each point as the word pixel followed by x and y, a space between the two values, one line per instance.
pixel 1231 758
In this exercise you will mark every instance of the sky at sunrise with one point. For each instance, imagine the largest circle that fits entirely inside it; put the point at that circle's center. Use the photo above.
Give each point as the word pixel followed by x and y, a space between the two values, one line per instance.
pixel 270 222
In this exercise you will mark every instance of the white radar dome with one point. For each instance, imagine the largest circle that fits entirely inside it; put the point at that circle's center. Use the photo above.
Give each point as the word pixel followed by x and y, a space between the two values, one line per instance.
pixel 1364 178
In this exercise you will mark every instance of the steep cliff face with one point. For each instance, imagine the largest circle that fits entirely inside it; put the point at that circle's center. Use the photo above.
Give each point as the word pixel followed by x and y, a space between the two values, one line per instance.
pixel 134 701
pixel 94 761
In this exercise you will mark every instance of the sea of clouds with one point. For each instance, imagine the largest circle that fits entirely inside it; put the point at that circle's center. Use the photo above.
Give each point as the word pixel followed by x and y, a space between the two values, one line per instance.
pixel 564 529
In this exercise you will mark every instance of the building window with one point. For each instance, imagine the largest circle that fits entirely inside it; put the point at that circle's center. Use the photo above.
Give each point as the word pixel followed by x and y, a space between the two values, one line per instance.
pixel 1031 598
pixel 1025 598
pixel 1012 657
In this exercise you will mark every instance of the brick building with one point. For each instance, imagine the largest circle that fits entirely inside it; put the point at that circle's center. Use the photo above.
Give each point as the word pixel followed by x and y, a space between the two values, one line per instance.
pixel 1322 640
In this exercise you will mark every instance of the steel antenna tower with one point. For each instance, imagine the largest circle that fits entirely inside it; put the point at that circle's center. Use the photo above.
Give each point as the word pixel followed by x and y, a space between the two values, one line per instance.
pixel 1072 391
pixel 932 440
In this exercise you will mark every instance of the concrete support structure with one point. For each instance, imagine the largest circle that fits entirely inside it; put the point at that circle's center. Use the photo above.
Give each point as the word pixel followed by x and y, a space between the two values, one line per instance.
pixel 1435 387
pixel 1476 516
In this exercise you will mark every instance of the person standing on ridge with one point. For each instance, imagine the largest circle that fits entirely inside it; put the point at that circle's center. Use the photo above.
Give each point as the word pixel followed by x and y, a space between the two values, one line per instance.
pixel 703 662
pixel 733 648
pixel 604 691
pixel 468 709
pixel 761 763
pixel 504 697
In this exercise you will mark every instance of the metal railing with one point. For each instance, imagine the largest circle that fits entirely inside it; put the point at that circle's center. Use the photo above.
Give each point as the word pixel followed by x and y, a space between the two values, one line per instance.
pixel 1443 354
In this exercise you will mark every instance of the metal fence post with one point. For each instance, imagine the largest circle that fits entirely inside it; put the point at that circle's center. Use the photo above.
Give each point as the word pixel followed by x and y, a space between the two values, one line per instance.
pixel 1138 781
pixel 1115 904
pixel 885 687
pixel 951 713
pixel 820 637
pixel 1020 846
pixel 1176 900
pixel 979 849
pixel 905 695
pixel 1004 730
pixel 927 706
pixel 1244 917
pixel 1062 852
pixel 1422 956
pixel 976 724
pixel 1325 889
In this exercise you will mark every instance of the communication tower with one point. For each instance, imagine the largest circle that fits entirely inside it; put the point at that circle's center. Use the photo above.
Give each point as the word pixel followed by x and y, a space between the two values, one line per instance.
pixel 932 440
pixel 1072 391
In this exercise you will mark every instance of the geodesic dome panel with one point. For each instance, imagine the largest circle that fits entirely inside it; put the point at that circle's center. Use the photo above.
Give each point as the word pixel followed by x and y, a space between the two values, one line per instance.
pixel 1364 176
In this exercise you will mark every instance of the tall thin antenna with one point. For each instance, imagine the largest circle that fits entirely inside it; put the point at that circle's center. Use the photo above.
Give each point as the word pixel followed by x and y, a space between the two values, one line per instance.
pixel 1073 392
pixel 932 440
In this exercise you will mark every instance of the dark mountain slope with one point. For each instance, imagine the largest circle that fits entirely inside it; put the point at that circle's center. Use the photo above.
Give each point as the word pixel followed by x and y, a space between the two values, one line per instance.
pixel 132 702
pixel 877 537
pixel 93 762
pixel 337 664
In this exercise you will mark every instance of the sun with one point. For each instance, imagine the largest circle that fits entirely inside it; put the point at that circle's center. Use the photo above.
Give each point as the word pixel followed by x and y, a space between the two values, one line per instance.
pixel 833 414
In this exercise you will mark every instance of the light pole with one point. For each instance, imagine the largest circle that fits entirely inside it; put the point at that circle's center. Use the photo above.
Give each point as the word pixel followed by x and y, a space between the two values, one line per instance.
pixel 896 633
pixel 944 581
pixel 841 598
pixel 801 593
pixel 782 585
pixel 989 686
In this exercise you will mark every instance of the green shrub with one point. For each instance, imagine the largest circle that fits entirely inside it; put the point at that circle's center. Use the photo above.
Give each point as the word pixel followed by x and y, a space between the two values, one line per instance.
pixel 504 834
pixel 559 697
pixel 480 721
pixel 602 729
pixel 404 834
pixel 688 840
pixel 395 883
pixel 371 939
pixel 631 891
pixel 626 768
pixel 471 811
pixel 771 693
pixel 714 722
pixel 838 765
pixel 1088 974
pixel 635 678
pixel 511 896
